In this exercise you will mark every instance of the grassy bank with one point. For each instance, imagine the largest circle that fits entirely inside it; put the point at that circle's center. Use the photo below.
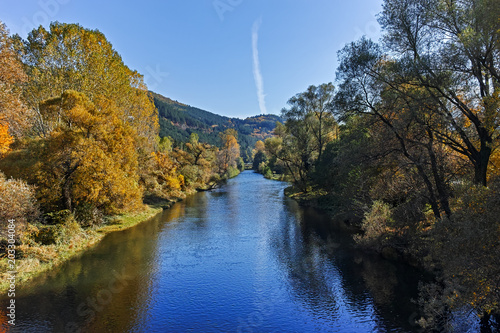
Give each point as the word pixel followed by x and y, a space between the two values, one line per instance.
pixel 34 259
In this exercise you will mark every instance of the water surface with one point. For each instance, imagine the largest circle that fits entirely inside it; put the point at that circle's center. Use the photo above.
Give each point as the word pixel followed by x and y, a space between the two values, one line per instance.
pixel 242 258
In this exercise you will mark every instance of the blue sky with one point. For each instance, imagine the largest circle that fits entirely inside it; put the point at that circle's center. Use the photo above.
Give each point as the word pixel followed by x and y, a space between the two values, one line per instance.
pixel 232 57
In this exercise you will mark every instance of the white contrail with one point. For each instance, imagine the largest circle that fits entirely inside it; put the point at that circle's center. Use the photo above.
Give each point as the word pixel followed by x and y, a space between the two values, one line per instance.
pixel 259 82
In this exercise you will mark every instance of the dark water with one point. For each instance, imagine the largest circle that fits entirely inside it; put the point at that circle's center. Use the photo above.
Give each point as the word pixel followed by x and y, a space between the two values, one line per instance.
pixel 242 258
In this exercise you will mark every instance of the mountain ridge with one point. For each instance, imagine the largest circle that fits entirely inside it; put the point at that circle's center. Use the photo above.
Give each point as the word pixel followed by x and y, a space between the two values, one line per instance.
pixel 178 120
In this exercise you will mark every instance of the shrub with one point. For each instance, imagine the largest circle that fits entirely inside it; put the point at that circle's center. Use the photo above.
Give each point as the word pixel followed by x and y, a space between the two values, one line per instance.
pixel 376 224
pixel 260 157
pixel 47 235
pixel 88 215
pixel 267 172
pixel 17 202
pixel 191 173
pixel 240 164
pixel 231 173
pixel 466 248
pixel 58 217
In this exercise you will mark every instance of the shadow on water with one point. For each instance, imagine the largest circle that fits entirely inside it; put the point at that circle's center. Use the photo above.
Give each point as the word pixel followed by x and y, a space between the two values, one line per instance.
pixel 335 280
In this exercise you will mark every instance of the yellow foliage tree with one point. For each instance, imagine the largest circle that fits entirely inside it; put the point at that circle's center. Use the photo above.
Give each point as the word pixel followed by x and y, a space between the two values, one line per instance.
pixel 260 146
pixel 70 57
pixel 168 180
pixel 12 110
pixel 230 150
pixel 89 158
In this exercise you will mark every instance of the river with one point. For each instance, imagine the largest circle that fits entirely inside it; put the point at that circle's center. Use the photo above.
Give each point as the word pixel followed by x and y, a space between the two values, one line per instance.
pixel 241 258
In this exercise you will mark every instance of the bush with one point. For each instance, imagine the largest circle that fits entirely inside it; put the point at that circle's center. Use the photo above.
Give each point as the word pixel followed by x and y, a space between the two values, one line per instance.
pixel 260 157
pixel 232 172
pixel 56 234
pixel 17 202
pixel 214 178
pixel 59 217
pixel 376 224
pixel 240 164
pixel 47 235
pixel 88 215
pixel 266 171
pixel 466 248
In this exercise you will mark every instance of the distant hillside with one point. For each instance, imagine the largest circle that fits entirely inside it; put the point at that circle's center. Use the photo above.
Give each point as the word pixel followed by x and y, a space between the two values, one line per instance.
pixel 179 120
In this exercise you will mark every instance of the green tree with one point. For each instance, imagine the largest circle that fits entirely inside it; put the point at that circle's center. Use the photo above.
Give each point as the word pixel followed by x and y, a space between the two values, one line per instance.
pixel 260 157
pixel 405 112
pixel 309 126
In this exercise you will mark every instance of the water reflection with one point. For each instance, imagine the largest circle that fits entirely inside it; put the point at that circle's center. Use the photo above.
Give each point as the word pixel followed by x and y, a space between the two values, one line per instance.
pixel 241 258
pixel 336 281
pixel 89 291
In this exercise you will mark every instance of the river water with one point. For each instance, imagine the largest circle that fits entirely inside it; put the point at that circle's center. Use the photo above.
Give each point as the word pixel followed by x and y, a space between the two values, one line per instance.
pixel 242 258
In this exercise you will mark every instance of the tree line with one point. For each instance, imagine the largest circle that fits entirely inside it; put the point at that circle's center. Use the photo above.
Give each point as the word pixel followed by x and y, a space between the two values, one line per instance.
pixel 406 148
pixel 79 136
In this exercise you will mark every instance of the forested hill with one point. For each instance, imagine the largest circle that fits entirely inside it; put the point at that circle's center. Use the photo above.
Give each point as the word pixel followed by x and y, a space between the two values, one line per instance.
pixel 179 120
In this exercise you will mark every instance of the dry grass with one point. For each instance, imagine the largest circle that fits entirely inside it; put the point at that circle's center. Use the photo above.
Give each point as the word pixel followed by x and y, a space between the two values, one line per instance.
pixel 36 259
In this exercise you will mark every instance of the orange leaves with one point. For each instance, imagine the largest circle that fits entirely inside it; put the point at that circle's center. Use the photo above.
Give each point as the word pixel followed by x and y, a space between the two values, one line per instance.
pixel 5 138
pixel 166 173
pixel 12 110
pixel 89 157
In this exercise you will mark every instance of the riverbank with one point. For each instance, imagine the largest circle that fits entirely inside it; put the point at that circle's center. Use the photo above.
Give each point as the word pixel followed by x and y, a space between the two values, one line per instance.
pixel 33 259
pixel 318 199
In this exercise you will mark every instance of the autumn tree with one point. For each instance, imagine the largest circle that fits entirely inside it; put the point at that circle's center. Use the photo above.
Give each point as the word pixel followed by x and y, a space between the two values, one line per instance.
pixel 195 148
pixel 259 146
pixel 372 84
pixel 169 181
pixel 5 138
pixel 230 150
pixel 70 57
pixel 428 100
pixel 13 114
pixel 89 158
pixel 452 48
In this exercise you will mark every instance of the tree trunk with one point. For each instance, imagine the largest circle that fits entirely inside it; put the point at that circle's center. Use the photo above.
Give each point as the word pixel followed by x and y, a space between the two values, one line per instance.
pixel 481 165
pixel 438 178
pixel 67 194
